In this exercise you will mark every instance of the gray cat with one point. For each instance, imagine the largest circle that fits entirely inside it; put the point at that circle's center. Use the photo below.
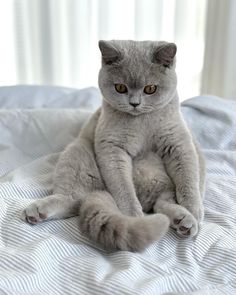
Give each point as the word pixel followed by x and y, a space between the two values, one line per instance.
pixel 134 155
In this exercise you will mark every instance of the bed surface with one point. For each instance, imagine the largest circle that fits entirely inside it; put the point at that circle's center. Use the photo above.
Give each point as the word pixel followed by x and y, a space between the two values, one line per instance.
pixel 55 258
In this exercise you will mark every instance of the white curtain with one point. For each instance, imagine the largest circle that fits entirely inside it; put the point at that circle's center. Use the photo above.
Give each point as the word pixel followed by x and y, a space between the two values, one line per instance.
pixel 55 41
pixel 8 68
pixel 219 75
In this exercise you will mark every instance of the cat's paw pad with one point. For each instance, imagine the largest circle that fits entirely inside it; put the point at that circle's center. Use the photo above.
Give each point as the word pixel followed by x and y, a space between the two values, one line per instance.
pixel 186 225
pixel 34 213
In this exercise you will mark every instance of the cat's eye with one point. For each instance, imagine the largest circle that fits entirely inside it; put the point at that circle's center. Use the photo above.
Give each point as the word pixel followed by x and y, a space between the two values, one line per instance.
pixel 121 88
pixel 150 89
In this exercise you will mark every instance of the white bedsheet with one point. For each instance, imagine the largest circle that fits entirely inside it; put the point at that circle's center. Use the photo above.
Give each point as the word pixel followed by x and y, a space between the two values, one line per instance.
pixel 54 258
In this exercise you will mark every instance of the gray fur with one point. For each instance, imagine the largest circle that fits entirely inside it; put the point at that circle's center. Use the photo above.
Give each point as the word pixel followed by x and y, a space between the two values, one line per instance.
pixel 129 160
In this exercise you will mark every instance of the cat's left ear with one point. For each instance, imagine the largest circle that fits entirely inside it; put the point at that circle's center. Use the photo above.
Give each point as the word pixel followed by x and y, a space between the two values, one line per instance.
pixel 165 54
pixel 109 53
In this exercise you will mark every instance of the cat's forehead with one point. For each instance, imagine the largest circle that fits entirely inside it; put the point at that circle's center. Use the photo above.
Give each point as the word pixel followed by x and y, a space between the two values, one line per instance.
pixel 136 67
pixel 136 73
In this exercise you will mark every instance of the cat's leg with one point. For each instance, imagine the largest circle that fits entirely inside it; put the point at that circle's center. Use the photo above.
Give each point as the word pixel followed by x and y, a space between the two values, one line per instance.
pixel 76 173
pixel 180 218
pixel 104 223
pixel 156 191
pixel 182 162
pixel 101 220
pixel 202 167
pixel 56 206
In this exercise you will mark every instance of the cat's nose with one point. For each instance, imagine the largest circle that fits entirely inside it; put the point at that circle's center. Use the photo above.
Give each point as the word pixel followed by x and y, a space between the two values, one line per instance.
pixel 134 104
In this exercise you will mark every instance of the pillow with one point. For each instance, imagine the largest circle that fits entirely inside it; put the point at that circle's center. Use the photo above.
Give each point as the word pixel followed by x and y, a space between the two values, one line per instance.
pixel 31 96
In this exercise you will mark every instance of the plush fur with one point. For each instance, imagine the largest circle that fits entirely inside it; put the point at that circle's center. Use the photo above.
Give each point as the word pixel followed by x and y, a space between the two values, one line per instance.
pixel 134 155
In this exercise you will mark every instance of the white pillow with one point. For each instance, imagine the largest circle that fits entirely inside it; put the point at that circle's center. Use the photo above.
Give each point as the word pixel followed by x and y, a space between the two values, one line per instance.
pixel 31 96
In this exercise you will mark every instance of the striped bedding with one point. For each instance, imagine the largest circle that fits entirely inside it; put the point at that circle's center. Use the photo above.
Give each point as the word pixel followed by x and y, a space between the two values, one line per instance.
pixel 55 258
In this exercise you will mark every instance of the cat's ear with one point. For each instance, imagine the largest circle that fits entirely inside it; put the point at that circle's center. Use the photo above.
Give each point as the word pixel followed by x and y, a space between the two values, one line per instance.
pixel 109 53
pixel 165 53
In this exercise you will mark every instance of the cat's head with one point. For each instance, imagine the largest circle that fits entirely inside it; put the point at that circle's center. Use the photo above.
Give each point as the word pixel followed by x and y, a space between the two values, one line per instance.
pixel 137 76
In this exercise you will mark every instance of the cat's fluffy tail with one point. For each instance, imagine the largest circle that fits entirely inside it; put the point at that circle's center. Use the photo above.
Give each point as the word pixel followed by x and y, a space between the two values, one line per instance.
pixel 104 224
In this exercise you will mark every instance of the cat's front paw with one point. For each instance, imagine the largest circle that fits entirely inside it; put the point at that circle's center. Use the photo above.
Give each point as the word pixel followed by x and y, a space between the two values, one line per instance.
pixel 197 211
pixel 185 225
pixel 193 205
pixel 34 213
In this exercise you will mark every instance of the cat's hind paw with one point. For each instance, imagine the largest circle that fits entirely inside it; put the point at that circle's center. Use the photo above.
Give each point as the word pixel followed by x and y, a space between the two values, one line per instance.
pixel 185 225
pixel 34 213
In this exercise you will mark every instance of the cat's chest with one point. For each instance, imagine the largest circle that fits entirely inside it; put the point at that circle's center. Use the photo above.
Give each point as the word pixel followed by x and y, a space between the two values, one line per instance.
pixel 134 135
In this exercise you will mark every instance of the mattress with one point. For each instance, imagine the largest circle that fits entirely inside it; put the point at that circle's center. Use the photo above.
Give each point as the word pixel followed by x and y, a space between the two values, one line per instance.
pixel 36 123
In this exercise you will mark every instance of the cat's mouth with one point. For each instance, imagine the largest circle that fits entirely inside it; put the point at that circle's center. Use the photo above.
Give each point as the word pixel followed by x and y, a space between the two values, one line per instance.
pixel 136 110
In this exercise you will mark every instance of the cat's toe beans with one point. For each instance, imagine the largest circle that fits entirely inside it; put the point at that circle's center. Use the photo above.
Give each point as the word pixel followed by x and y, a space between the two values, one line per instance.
pixel 32 219
pixel 186 226
pixel 34 214
pixel 183 229
pixel 43 216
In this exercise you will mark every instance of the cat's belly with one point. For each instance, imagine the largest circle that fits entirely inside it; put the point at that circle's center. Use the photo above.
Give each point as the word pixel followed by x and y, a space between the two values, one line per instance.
pixel 150 179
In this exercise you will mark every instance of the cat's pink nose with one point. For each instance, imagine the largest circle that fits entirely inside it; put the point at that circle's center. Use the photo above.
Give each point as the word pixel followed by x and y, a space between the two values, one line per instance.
pixel 134 104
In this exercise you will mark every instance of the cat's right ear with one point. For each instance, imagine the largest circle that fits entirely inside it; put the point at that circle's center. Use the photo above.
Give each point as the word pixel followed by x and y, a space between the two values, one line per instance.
pixel 165 54
pixel 109 53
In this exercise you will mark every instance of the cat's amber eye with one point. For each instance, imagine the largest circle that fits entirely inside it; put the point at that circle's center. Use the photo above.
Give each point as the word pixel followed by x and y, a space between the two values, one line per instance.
pixel 150 89
pixel 121 88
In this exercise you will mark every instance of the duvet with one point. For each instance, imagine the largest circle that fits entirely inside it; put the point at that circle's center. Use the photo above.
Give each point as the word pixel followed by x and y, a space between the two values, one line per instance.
pixel 36 123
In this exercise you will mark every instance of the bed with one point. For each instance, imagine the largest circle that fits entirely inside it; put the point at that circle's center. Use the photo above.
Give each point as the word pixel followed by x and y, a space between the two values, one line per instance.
pixel 36 123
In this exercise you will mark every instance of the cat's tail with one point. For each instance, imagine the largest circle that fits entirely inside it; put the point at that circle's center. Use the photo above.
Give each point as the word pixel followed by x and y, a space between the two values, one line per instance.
pixel 101 220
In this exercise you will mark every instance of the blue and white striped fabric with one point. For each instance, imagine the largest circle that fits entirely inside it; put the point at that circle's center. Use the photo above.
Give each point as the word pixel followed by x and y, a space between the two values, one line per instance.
pixel 55 258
